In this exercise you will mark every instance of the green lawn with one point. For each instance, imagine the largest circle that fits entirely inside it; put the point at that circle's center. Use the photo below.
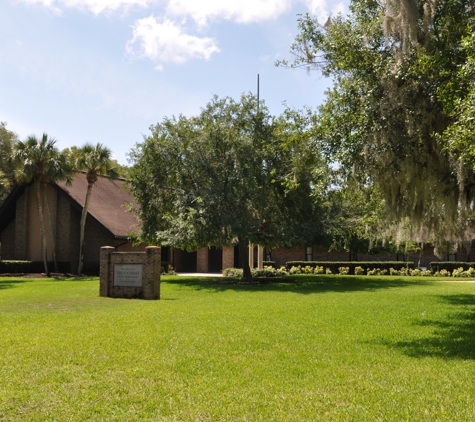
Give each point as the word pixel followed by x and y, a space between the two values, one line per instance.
pixel 310 348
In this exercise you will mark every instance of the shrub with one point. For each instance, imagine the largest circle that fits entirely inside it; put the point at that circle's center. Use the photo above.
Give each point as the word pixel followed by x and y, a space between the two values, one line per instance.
pixel 458 272
pixel 232 272
pixel 32 266
pixel 359 270
pixel 426 273
pixel 328 271
pixel 307 269
pixel 374 271
pixel 366 265
pixel 383 272
pixel 442 273
pixel 343 270
pixel 295 270
pixel 404 271
pixel 450 265
pixel 415 272
pixel 267 271
pixel 470 272
pixel 393 271
pixel 318 270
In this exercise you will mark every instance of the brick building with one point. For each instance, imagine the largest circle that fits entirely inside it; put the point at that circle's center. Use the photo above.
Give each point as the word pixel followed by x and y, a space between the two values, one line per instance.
pixel 109 224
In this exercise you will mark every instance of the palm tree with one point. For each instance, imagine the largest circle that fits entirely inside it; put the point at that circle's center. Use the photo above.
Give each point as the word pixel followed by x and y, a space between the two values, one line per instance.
pixel 41 162
pixel 4 185
pixel 58 169
pixel 95 161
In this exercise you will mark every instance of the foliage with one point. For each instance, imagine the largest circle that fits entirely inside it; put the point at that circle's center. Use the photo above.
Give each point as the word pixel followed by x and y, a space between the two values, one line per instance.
pixel 403 73
pixel 233 172
pixel 39 161
pixel 267 271
pixel 94 161
pixel 359 270
pixel 450 266
pixel 334 266
pixel 8 141
pixel 343 270
pixel 415 272
pixel 20 267
pixel 458 272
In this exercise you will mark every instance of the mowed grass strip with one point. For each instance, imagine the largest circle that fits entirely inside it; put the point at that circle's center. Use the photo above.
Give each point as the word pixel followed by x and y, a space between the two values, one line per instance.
pixel 304 349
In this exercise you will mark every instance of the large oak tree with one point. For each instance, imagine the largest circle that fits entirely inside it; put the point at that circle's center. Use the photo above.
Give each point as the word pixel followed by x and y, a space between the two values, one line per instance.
pixel 394 118
pixel 232 173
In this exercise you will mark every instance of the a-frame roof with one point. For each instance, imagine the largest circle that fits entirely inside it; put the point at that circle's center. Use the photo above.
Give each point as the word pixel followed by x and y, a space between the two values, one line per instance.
pixel 107 205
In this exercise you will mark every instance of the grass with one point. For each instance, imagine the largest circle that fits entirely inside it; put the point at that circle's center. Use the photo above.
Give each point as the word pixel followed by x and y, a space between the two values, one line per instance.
pixel 309 348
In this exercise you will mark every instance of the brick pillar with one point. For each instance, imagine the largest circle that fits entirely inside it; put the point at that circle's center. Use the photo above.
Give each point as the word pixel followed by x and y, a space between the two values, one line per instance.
pixel 105 270
pixel 202 260
pixel 228 257
pixel 151 278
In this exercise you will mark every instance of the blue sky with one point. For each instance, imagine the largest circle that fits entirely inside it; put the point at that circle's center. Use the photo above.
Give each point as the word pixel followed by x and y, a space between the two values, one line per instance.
pixel 105 70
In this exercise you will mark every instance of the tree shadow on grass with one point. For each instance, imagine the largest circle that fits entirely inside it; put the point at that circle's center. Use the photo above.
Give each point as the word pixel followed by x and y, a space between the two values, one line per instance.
pixel 453 338
pixel 9 283
pixel 296 284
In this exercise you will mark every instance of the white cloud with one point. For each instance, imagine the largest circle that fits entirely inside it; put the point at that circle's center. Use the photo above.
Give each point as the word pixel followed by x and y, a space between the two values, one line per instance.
pixel 320 9
pixel 164 41
pixel 241 11
pixel 95 6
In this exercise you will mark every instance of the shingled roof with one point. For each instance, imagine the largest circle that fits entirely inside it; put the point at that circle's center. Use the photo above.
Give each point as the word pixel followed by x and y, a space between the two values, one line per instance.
pixel 107 204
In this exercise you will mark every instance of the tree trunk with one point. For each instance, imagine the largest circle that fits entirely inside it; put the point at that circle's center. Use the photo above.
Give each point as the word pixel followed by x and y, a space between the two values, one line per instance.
pixel 50 220
pixel 82 245
pixel 42 226
pixel 244 259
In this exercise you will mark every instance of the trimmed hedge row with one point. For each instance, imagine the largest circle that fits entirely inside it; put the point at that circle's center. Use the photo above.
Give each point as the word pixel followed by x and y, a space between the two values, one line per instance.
pixel 366 265
pixel 450 265
pixel 32 266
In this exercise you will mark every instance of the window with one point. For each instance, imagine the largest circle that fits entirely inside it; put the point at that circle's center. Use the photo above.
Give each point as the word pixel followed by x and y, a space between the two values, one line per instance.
pixel 267 255
pixel 400 257
pixel 309 253
pixel 353 256
pixel 452 257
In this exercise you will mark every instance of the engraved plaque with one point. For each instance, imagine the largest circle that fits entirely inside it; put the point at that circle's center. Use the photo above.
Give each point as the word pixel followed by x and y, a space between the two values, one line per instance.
pixel 128 275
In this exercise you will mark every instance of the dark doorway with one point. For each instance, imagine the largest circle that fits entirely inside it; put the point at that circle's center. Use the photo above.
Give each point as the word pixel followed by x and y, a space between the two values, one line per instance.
pixel 237 263
pixel 185 262
pixel 215 259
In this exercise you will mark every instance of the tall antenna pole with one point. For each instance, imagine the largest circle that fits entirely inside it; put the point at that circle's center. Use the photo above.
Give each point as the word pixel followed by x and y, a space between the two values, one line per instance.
pixel 258 92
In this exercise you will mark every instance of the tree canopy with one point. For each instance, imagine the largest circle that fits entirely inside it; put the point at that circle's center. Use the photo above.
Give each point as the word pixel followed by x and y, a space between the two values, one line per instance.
pixel 398 116
pixel 232 173
pixel 8 141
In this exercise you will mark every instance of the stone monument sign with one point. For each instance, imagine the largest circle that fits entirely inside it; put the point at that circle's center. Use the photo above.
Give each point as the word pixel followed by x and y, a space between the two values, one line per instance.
pixel 130 274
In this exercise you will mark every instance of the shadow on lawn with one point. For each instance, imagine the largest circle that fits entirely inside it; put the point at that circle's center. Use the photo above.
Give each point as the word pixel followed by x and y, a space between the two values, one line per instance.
pixel 299 284
pixel 9 283
pixel 453 338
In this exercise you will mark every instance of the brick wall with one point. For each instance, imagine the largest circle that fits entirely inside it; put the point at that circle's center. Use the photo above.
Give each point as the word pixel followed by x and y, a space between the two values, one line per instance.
pixel 7 239
pixel 228 257
pixel 202 260
pixel 21 226
pixel 63 229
